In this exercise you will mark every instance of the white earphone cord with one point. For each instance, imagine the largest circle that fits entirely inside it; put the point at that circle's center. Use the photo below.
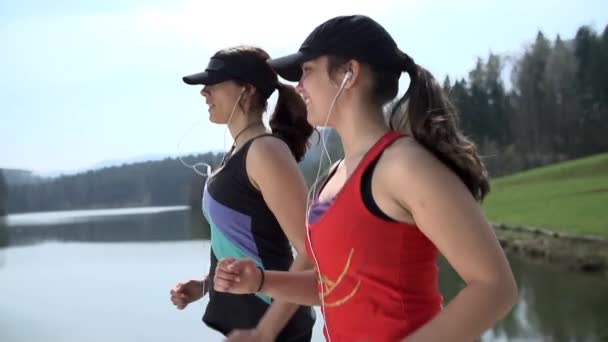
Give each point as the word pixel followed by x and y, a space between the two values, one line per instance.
pixel 194 166
pixel 310 198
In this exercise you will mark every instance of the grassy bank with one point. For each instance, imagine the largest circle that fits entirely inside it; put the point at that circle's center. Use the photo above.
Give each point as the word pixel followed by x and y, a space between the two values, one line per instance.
pixel 570 197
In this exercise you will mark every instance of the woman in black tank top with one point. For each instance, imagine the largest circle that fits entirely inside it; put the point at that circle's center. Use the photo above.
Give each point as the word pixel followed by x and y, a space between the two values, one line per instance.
pixel 255 202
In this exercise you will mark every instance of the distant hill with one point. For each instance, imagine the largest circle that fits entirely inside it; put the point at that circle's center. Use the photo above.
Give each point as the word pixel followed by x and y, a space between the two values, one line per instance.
pixel 19 177
pixel 146 183
pixel 151 183
pixel 107 163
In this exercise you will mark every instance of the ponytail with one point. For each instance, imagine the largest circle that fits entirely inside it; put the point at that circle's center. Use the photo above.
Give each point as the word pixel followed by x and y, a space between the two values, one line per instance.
pixel 289 122
pixel 426 112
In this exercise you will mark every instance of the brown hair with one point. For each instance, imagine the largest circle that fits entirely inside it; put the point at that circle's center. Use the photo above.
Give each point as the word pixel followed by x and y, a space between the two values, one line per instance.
pixel 426 112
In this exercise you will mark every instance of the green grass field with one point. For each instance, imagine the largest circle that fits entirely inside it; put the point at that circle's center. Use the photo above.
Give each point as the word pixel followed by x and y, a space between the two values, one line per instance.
pixel 568 197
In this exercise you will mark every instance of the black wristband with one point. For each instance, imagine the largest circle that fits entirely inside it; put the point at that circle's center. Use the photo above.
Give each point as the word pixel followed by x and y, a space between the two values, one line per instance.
pixel 262 280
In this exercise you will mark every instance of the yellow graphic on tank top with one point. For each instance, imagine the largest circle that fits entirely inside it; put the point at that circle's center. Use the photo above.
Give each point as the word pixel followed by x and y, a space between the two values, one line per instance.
pixel 330 285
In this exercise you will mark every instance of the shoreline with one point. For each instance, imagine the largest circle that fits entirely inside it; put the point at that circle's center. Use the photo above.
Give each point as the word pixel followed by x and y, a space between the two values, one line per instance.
pixel 581 253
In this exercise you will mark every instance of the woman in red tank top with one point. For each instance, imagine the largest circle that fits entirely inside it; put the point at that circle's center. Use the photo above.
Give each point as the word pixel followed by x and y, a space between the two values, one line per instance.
pixel 406 190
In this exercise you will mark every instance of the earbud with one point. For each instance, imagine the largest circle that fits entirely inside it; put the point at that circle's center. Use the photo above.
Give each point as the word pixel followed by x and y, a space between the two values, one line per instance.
pixel 347 76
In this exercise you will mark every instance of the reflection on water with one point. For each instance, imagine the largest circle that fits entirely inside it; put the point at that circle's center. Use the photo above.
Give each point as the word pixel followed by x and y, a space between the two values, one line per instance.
pixel 3 233
pixel 555 305
pixel 74 216
pixel 100 292
pixel 113 225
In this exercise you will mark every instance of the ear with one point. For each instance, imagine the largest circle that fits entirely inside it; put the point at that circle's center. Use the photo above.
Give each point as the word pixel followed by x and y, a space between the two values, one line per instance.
pixel 352 73
pixel 247 93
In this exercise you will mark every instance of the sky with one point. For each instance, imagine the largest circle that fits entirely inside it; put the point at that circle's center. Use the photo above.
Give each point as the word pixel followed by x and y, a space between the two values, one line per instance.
pixel 84 83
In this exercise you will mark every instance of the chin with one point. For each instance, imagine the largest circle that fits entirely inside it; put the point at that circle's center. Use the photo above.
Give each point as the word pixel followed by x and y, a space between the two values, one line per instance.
pixel 214 119
pixel 315 120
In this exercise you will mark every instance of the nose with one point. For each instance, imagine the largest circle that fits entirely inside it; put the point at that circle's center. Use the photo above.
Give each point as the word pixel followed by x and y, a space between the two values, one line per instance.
pixel 300 87
pixel 205 92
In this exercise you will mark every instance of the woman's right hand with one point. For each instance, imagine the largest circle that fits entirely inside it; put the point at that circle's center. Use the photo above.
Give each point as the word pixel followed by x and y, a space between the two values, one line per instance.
pixel 237 276
pixel 184 293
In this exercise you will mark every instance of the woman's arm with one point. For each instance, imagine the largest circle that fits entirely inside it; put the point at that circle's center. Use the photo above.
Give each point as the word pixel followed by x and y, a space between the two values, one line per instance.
pixel 242 276
pixel 446 212
pixel 273 170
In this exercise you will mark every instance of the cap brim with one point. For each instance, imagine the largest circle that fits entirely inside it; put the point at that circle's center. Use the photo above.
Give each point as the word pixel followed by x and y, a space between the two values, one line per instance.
pixel 290 67
pixel 205 78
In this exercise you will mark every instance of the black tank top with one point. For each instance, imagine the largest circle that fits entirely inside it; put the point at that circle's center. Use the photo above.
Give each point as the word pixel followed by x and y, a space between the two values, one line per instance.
pixel 242 226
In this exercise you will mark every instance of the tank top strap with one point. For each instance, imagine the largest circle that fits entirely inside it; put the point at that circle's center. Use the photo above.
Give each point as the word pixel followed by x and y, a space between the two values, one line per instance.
pixel 374 153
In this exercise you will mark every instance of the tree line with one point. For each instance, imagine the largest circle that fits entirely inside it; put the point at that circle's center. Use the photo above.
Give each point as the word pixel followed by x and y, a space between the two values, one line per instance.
pixel 555 107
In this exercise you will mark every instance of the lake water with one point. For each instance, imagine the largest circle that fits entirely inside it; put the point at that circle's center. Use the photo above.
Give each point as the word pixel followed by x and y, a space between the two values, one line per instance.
pixel 105 275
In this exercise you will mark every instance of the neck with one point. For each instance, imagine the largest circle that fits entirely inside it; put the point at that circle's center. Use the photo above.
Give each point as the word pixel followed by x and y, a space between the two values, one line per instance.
pixel 245 126
pixel 361 130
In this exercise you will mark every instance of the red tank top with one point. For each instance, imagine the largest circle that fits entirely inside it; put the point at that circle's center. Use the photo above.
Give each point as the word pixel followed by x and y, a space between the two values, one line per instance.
pixel 378 279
